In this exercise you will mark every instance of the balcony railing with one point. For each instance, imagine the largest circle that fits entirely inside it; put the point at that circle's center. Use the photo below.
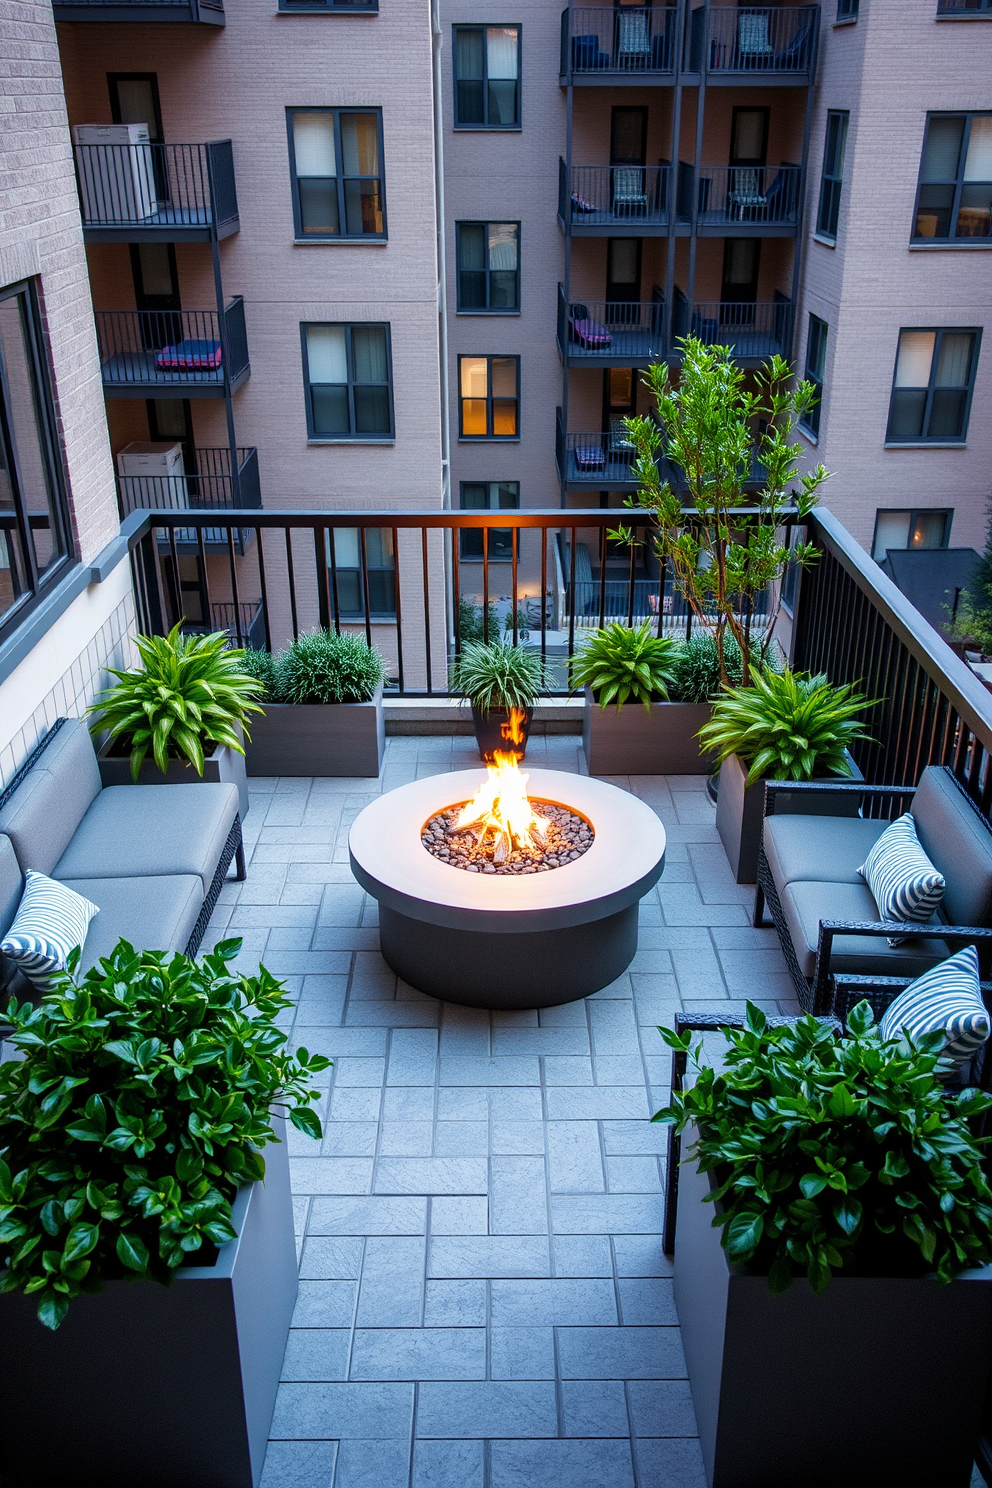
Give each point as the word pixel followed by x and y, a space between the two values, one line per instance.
pixel 210 486
pixel 635 41
pixel 626 332
pixel 614 196
pixel 774 41
pixel 753 330
pixel 202 12
pixel 155 352
pixel 740 195
pixel 170 192
pixel 605 462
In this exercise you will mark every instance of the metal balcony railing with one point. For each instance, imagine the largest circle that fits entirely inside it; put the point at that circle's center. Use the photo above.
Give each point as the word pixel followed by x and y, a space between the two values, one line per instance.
pixel 165 187
pixel 753 330
pixel 172 349
pixel 210 486
pixel 771 40
pixel 203 12
pixel 745 195
pixel 611 196
pixel 614 331
pixel 633 40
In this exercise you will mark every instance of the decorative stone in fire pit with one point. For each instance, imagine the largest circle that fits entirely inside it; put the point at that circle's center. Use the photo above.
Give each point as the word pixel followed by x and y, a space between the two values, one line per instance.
pixel 516 892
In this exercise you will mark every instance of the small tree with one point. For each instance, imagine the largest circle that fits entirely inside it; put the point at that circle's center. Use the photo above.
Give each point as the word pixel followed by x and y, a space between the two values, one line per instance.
pixel 972 619
pixel 721 559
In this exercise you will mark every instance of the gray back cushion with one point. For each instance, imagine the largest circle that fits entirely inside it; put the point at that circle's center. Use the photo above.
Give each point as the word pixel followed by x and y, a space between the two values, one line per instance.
pixel 957 842
pixel 47 807
pixel 11 885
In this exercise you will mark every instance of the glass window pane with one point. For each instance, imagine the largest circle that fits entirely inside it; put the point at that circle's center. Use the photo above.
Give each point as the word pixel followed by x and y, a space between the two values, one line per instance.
pixel 943 150
pixel 891 531
pixel 136 103
pixel 502 103
pixel 954 360
pixel 13 570
pixel 947 413
pixel 360 144
pixel 363 208
pixel 474 377
pixel 505 417
pixel 906 418
pixel 371 410
pixel 313 144
pixel 468 100
pixel 915 359
pixel 330 411
pixel 327 359
pixel 501 52
pixel 318 206
pixel 347 550
pixel 507 496
pixel 928 530
pixel 975 212
pixel 933 217
pixel 503 291
pixel 504 377
pixel 27 431
pixel 474 416
pixel 748 142
pixel 978 163
pixel 472 290
pixel 468 54
pixel 368 350
pixel 379 547
pixel 474 495
pixel 836 144
pixel 472 245
pixel 503 245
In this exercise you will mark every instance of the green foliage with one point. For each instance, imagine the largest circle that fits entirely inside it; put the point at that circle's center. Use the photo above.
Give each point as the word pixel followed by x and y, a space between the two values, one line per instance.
pixel 470 620
pixel 320 666
pixel 499 675
pixel 786 725
pixel 621 664
pixel 696 667
pixel 837 1153
pixel 262 666
pixel 973 621
pixel 141 1104
pixel 191 689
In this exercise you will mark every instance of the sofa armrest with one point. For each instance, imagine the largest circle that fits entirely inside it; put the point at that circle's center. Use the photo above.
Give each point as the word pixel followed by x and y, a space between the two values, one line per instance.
pixel 819 788
pixel 953 935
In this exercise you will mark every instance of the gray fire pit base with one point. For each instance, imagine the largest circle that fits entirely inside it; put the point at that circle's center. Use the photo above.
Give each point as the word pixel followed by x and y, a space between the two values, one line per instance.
pixel 490 969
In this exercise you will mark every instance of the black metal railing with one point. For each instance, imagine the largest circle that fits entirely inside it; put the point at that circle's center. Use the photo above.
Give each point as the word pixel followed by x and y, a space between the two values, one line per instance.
pixel 753 330
pixel 614 195
pixel 603 331
pixel 633 40
pixel 209 485
pixel 172 348
pixel 771 40
pixel 157 186
pixel 749 195
pixel 209 12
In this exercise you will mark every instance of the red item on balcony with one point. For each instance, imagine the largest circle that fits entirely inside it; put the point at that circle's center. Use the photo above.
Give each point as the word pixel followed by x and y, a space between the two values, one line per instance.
pixel 189 356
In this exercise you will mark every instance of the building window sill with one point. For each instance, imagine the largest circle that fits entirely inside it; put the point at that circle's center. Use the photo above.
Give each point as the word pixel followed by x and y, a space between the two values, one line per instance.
pixel 922 444
pixel 808 434
pixel 327 10
pixel 845 21
pixel 827 242
pixel 340 242
pixel 359 440
pixel 955 244
pixel 489 439
pixel 509 313
pixel 979 15
pixel 487 128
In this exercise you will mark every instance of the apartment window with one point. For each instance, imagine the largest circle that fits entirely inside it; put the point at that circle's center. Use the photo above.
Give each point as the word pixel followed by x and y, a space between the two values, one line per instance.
pixel 329 7
pixel 487 77
pixel 34 523
pixel 489 389
pixel 910 529
pixel 350 567
pixel 931 390
pixel 816 360
pixel 964 7
pixel 349 382
pixel 954 198
pixel 489 496
pixel 488 266
pixel 832 179
pixel 847 10
pixel 335 158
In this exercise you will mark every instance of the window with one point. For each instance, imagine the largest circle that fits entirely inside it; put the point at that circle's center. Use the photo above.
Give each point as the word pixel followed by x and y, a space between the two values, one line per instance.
pixel 488 266
pixel 349 382
pixel 490 394
pixel 964 7
pixel 329 7
pixel 910 529
pixel 931 391
pixel 335 158
pixel 487 77
pixel 834 146
pixel 34 526
pixel 347 569
pixel 816 360
pixel 847 10
pixel 489 496
pixel 954 197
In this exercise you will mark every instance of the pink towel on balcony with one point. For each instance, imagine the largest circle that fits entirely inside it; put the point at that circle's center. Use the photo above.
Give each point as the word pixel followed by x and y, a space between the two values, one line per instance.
pixel 591 334
pixel 189 356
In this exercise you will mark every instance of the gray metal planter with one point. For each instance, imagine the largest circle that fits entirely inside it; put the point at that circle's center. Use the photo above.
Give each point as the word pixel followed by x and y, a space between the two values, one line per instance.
pixel 878 1381
pixel 635 742
pixel 145 1386
pixel 225 764
pixel 740 811
pixel 318 739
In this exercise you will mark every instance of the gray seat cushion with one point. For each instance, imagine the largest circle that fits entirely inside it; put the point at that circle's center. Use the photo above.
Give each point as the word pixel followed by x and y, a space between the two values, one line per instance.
pixel 957 842
pixel 13 983
pixel 805 904
pixel 49 804
pixel 821 849
pixel 145 830
pixel 154 913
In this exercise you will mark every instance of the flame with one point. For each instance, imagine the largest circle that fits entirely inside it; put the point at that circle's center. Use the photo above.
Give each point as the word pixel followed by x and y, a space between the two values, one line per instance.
pixel 513 731
pixel 501 806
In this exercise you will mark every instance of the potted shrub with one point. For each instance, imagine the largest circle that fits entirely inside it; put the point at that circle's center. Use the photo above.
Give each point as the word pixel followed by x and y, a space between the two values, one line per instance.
pixel 502 683
pixel 832 1254
pixel 188 705
pixel 146 1224
pixel 323 708
pixel 785 726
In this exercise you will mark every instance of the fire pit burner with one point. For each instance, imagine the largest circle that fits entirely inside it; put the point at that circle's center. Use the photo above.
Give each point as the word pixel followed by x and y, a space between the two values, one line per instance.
pixel 564 840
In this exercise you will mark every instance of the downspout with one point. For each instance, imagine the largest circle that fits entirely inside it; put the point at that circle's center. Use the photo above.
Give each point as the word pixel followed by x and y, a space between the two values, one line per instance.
pixel 442 276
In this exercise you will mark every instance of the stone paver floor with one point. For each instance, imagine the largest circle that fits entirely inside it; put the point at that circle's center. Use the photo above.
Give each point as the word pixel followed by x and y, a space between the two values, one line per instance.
pixel 484 1302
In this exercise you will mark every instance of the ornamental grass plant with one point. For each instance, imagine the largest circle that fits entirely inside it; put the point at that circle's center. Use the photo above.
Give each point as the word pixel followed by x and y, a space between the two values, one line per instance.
pixel 499 676
pixel 621 664
pixel 322 666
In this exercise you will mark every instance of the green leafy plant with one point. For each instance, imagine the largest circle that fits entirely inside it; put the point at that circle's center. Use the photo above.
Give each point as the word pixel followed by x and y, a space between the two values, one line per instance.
pixel 621 664
pixel 262 666
pixel 786 725
pixel 832 1152
pixel 696 667
pixel 971 616
pixel 190 690
pixel 141 1104
pixel 320 666
pixel 499 675
pixel 471 625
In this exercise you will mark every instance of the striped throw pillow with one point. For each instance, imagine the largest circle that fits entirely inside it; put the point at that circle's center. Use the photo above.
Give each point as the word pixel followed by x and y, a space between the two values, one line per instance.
pixel 903 882
pixel 51 921
pixel 946 998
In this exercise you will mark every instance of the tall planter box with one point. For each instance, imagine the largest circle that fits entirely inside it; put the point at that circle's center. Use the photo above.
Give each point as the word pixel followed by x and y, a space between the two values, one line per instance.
pixel 636 742
pixel 318 739
pixel 145 1386
pixel 225 764
pixel 740 810
pixel 880 1380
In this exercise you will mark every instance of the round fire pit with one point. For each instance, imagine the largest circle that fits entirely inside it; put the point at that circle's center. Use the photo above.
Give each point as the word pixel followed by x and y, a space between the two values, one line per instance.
pixel 515 940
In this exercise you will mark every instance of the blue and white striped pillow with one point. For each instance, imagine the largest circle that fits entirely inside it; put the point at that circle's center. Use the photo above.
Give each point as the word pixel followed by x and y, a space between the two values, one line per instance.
pixel 903 882
pixel 51 921
pixel 946 998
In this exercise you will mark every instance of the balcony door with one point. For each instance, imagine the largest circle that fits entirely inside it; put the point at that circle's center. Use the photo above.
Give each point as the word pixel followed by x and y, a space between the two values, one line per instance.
pixel 749 137
pixel 623 279
pixel 134 100
pixel 156 291
pixel 628 136
pixel 739 289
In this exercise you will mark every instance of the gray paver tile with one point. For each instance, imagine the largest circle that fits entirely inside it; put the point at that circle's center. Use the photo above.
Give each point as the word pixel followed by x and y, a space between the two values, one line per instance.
pixel 413 1055
pixel 368 1216
pixel 332 1259
pixel 331 1175
pixel 392 1286
pixel 673 1462
pixel 620 1353
pixel 355 1103
pixel 459 1069
pixel 569 1040
pixel 462 1214
pixel 522 1353
pixel 647 1301
pixel 568 1071
pixel 579 1463
pixel 633 1174
pixel 455 1304
pixel 373 1464
pixel 419 1354
pixel 594 1408
pixel 447 1464
pixel 561 1302
pixel 488 1256
pixel 406 1104
pixel 518 1202
pixel 431 1175
pixel 325 1304
pixel 406 1138
pixel 352 1071
pixel 582 1255
pixel 601 1103
pixel 299 1464
pixel 464 1139
pixel 317 1354
pixel 487 1409
pixel 641 1255
pixel 661 1408
pixel 575 1160
pixel 517 1139
pixel 338 1411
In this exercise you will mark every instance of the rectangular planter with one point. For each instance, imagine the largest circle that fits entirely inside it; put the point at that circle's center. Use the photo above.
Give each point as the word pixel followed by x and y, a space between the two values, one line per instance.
pixel 225 764
pixel 318 739
pixel 740 811
pixel 635 742
pixel 880 1380
pixel 145 1386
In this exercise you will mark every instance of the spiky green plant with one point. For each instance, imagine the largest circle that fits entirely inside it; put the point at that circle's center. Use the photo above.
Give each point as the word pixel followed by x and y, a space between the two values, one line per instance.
pixel 320 666
pixel 696 667
pixel 499 675
pixel 786 725
pixel 621 664
pixel 262 666
pixel 190 690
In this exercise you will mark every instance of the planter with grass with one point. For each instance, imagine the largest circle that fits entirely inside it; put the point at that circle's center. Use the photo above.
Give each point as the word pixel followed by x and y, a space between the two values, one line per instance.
pixel 323 708
pixel 502 683
pixel 137 1132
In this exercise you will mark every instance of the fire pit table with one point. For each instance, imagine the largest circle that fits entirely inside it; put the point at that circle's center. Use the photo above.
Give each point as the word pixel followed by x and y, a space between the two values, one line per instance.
pixel 477 917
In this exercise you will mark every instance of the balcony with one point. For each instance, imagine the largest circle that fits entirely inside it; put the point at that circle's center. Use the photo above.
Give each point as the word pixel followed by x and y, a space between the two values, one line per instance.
pixel 615 200
pixel 157 193
pixel 172 353
pixel 622 334
pixel 753 330
pixel 772 45
pixel 741 200
pixel 211 486
pixel 628 44
pixel 192 12
pixel 605 462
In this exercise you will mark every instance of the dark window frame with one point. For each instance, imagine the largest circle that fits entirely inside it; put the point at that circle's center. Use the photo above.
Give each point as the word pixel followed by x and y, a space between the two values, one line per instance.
pixel 483 27
pixel 847 10
pixel 113 78
pixel 348 326
pixel 832 174
pixel 923 440
pixel 913 512
pixel 816 341
pixel 496 356
pixel 471 537
pixel 488 309
pixel 300 235
pixel 35 586
pixel 958 184
pixel 329 7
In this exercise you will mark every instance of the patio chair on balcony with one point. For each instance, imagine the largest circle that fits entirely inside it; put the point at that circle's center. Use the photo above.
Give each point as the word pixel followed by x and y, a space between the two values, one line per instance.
pixel 753 45
pixel 590 334
pixel 630 199
pixel 621 446
pixel 589 458
pixel 795 56
pixel 633 38
pixel 587 55
pixel 745 202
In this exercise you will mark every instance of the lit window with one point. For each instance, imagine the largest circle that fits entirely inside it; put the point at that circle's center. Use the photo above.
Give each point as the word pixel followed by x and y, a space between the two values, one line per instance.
pixel 910 529
pixel 954 198
pixel 489 397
